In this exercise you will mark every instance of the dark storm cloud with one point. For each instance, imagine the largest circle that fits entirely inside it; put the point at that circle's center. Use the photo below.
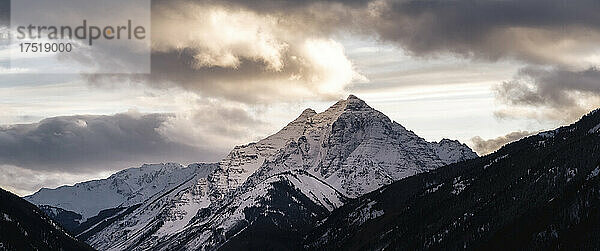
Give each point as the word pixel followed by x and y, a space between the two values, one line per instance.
pixel 562 90
pixel 242 83
pixel 484 29
pixel 69 149
pixel 89 143
pixel 483 147
pixel 550 86
pixel 249 82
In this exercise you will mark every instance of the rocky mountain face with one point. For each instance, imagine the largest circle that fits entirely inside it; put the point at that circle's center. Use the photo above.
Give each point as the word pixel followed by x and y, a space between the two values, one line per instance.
pixel 279 187
pixel 25 227
pixel 123 189
pixel 351 146
pixel 88 207
pixel 541 193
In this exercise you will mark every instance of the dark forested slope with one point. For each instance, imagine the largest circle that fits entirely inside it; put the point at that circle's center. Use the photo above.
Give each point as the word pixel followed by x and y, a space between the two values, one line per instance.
pixel 23 226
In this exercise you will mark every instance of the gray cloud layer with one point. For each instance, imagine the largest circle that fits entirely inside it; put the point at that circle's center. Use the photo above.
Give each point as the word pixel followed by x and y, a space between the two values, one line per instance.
pixel 565 94
pixel 488 29
pixel 90 143
pixel 483 147
pixel 483 29
pixel 68 149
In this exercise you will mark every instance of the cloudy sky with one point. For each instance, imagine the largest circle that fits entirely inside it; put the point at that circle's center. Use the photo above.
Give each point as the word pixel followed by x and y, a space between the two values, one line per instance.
pixel 228 72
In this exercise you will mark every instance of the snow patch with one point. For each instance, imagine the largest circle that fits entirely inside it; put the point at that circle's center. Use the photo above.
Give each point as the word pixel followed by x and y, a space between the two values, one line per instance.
pixel 594 129
pixel 6 217
pixel 318 191
pixel 571 173
pixel 458 185
pixel 495 161
pixel 434 189
pixel 547 134
pixel 594 173
pixel 365 213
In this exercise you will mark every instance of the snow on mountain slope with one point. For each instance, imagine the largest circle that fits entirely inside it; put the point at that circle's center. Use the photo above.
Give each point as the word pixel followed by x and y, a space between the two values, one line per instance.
pixel 242 161
pixel 452 151
pixel 346 151
pixel 285 182
pixel 356 149
pixel 281 198
pixel 348 135
pixel 161 215
pixel 125 188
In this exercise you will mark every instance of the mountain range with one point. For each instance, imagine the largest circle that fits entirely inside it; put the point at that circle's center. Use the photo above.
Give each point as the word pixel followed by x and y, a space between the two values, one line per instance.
pixel 349 178
pixel 281 186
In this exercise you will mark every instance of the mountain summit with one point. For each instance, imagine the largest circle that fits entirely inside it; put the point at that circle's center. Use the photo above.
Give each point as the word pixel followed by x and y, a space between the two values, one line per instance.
pixel 281 185
pixel 350 145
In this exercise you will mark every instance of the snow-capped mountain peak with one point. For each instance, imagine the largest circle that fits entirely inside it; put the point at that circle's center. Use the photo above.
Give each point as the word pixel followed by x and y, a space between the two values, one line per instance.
pixel 345 151
pixel 298 175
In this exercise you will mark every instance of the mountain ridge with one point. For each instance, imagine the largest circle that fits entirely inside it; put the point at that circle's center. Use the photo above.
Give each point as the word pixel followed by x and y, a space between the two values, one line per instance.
pixel 320 159
pixel 328 139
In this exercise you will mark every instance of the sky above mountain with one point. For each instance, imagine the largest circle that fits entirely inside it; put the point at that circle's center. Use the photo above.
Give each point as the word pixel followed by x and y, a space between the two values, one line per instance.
pixel 229 72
